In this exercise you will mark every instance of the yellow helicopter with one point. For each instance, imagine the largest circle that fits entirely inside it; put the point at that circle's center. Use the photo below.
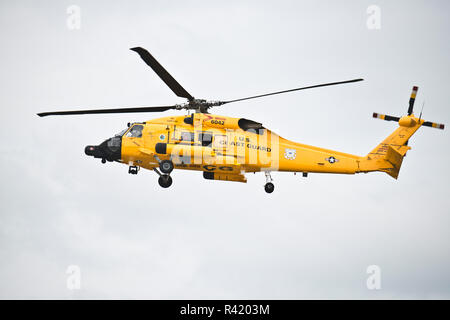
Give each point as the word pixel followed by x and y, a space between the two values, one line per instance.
pixel 226 148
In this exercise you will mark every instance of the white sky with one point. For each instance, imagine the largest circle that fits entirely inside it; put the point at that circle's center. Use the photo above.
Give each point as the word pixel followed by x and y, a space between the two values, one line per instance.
pixel 311 238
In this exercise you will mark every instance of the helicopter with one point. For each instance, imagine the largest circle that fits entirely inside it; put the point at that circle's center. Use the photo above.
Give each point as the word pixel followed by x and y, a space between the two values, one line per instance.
pixel 225 148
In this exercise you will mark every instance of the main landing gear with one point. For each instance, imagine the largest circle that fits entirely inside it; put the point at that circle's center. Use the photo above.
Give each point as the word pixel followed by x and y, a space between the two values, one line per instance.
pixel 166 166
pixel 268 187
pixel 164 180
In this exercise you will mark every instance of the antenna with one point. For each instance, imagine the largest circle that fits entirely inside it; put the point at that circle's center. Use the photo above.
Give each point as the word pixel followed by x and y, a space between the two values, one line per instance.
pixel 423 104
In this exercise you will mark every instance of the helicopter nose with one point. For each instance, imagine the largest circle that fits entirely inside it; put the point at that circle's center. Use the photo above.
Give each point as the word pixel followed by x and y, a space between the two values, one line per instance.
pixel 90 150
pixel 108 150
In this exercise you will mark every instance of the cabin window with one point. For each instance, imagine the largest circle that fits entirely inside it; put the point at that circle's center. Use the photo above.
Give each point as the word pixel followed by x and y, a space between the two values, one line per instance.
pixel 220 141
pixel 187 137
pixel 135 131
pixel 205 138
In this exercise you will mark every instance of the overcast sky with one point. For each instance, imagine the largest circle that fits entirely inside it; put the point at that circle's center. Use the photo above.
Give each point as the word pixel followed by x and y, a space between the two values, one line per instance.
pixel 311 238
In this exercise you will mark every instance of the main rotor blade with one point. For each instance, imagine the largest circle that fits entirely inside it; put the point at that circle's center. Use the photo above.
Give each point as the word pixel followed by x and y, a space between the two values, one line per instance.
pixel 102 111
pixel 297 89
pixel 162 73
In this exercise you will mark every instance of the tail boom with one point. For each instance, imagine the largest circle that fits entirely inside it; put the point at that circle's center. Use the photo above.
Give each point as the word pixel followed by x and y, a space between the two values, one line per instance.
pixel 388 155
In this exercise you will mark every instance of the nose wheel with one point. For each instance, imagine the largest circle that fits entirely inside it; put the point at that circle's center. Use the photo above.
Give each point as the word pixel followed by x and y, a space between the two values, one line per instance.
pixel 269 186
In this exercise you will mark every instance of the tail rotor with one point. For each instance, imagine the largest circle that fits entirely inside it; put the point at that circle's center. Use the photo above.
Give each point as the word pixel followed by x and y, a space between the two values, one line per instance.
pixel 408 119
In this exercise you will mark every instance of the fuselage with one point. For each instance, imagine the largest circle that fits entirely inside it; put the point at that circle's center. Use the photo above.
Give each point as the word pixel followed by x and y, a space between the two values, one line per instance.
pixel 224 145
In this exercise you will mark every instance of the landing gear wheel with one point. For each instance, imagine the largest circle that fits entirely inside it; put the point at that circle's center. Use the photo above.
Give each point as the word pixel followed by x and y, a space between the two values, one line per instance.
pixel 166 166
pixel 103 160
pixel 165 180
pixel 269 187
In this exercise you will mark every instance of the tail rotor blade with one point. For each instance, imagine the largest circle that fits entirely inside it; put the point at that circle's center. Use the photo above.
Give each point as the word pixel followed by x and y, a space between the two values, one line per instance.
pixel 412 99
pixel 433 125
pixel 385 117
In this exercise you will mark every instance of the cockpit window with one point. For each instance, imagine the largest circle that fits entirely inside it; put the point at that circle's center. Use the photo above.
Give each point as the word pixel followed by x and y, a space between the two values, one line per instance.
pixel 121 133
pixel 135 131
pixel 114 143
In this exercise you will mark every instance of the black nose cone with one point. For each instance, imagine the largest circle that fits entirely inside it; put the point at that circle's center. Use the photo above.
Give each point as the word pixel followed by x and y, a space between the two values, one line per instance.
pixel 90 150
pixel 95 151
pixel 108 150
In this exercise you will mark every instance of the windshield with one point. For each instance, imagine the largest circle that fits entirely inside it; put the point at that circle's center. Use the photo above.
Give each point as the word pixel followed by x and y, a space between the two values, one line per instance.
pixel 121 133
